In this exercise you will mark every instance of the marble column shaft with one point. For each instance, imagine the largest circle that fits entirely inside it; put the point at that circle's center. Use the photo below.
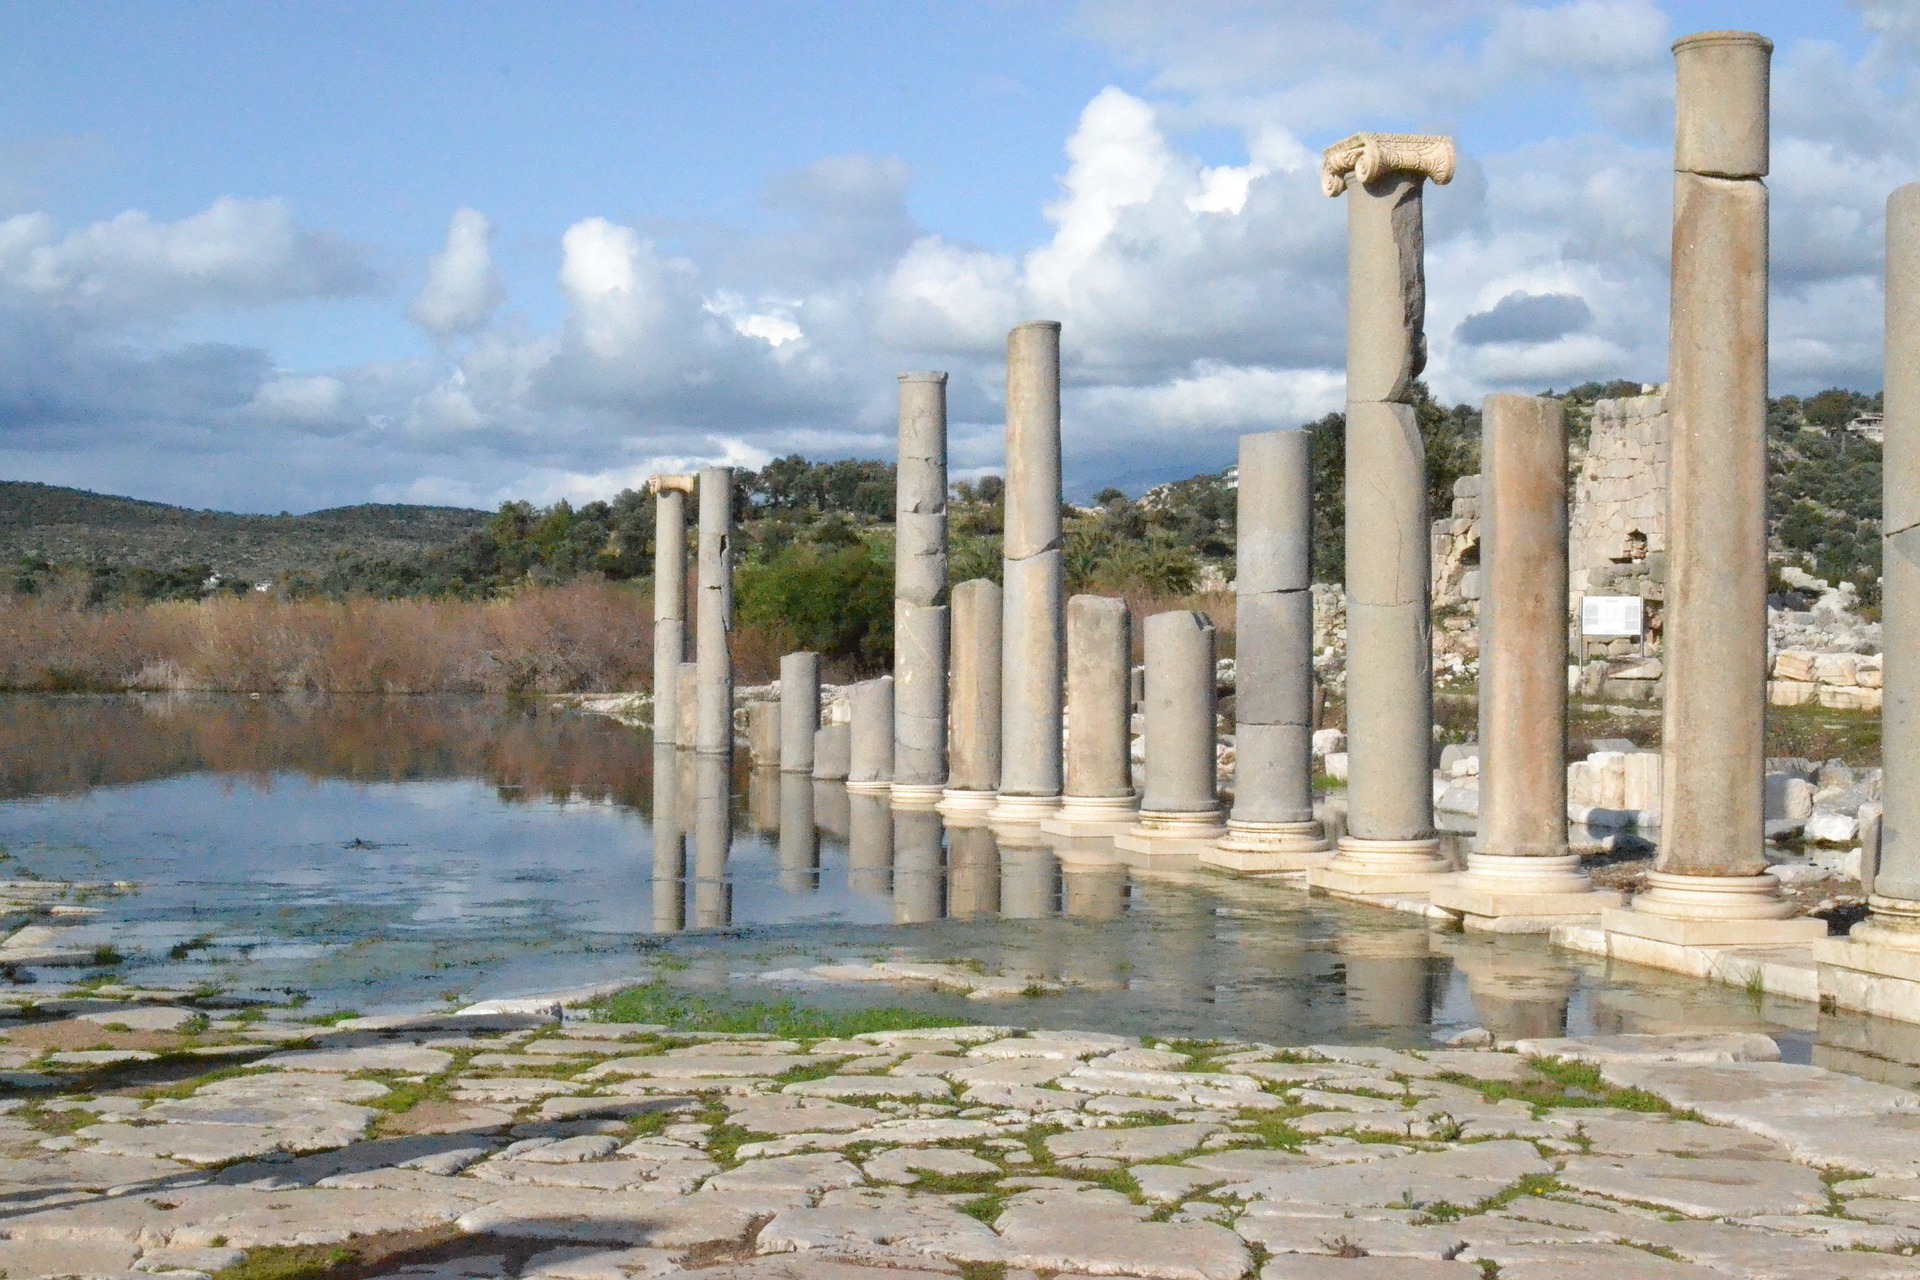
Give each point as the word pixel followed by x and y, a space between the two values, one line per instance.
pixel 686 706
pixel 833 752
pixel 1897 882
pixel 920 586
pixel 1033 636
pixel 870 709
pixel 669 609
pixel 1389 639
pixel 799 710
pixel 713 648
pixel 1273 632
pixel 974 748
pixel 1523 628
pixel 1714 643
pixel 1181 761
pixel 1099 708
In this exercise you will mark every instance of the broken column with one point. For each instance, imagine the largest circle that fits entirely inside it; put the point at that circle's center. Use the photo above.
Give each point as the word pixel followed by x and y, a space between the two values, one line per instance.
pixel 1390 845
pixel 1876 969
pixel 669 600
pixel 799 710
pixel 1180 808
pixel 1522 879
pixel 763 735
pixel 832 752
pixel 713 652
pixel 1272 827
pixel 1032 636
pixel 1099 799
pixel 870 707
pixel 1708 884
pixel 973 750
pixel 920 593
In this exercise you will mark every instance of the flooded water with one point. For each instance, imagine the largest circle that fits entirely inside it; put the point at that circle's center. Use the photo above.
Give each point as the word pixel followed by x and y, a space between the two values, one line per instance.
pixel 386 855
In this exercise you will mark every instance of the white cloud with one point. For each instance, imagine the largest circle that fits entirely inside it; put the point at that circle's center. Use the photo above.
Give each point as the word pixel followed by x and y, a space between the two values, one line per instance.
pixel 462 288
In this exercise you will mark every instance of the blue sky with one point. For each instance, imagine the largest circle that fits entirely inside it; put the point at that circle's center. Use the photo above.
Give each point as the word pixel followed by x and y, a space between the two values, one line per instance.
pixel 266 256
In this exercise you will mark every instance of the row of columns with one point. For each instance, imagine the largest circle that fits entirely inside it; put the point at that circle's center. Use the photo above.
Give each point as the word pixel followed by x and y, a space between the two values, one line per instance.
pixel 973 714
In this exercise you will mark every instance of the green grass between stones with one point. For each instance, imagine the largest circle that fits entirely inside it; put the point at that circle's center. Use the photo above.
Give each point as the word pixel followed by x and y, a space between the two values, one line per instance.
pixel 656 1002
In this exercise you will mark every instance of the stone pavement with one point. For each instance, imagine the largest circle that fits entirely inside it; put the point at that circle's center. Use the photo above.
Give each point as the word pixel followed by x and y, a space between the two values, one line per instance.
pixel 507 1144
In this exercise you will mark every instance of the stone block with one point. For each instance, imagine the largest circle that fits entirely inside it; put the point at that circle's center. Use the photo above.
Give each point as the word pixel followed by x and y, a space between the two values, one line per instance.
pixel 1850 698
pixel 1791 693
pixel 1788 798
pixel 1869 674
pixel 1793 664
pixel 1836 668
pixel 1827 827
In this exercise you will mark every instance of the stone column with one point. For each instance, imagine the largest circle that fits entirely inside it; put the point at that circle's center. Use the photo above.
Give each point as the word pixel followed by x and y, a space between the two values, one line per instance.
pixel 763 734
pixel 1707 885
pixel 832 752
pixel 1272 827
pixel 799 710
pixel 1180 811
pixel 669 600
pixel 1876 969
pixel 1099 798
pixel 712 841
pixel 1032 637
pixel 973 773
pixel 920 594
pixel 713 651
pixel 1522 879
pixel 870 708
pixel 686 707
pixel 1390 846
pixel 799 838
pixel 669 845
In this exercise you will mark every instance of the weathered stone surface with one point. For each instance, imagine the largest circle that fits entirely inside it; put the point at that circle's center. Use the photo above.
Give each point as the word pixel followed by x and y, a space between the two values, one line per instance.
pixel 411 1059
pixel 906 1164
pixel 1333 1235
pixel 781 1113
pixel 1299 1266
pixel 883 1225
pixel 1091 1233
pixel 1728 1046
pixel 808 1173
pixel 871 1087
pixel 1152 1142
pixel 1700 1187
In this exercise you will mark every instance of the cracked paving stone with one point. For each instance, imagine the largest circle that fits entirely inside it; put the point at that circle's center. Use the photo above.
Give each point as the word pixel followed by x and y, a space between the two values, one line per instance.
pixel 1700 1187
pixel 1377 1238
pixel 1102 1234
pixel 1150 1142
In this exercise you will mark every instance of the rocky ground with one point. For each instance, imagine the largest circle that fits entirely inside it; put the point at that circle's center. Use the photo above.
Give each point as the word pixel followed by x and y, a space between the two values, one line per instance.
pixel 145 1136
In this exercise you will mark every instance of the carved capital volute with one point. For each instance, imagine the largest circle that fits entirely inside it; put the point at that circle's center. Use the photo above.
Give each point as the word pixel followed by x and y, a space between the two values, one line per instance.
pixel 673 484
pixel 1369 156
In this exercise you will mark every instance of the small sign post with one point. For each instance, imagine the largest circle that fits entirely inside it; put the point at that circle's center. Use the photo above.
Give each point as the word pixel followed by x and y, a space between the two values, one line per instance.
pixel 1612 617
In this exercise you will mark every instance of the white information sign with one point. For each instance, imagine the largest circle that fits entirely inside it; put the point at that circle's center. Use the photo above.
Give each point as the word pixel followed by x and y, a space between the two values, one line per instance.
pixel 1610 617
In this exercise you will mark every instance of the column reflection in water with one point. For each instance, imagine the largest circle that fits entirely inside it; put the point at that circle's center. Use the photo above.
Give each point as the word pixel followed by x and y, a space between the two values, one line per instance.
pixel 763 801
pixel 973 872
pixel 1388 983
pixel 919 867
pixel 832 810
pixel 1029 881
pixel 669 845
pixel 1093 883
pixel 869 844
pixel 712 841
pixel 1518 991
pixel 799 838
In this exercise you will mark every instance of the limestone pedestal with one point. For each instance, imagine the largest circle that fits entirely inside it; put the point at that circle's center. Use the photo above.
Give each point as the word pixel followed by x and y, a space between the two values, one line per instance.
pixel 1255 847
pixel 1876 969
pixel 1365 869
pixel 1080 817
pixel 1500 894
pixel 1707 911
pixel 960 802
pixel 1169 836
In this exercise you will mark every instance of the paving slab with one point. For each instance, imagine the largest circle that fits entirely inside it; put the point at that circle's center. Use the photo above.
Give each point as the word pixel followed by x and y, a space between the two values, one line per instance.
pixel 1341 1236
pixel 1700 1187
pixel 1078 1233
pixel 1146 1142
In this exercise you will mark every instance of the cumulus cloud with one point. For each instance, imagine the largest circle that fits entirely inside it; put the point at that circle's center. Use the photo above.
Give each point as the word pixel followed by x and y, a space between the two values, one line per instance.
pixel 1528 318
pixel 462 288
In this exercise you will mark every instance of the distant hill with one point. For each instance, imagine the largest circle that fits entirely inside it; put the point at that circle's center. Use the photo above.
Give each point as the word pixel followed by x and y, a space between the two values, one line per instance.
pixel 50 522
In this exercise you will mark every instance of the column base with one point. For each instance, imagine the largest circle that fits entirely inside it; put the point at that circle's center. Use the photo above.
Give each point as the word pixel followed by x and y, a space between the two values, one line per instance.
pixel 1713 911
pixel 1022 812
pixel 1163 834
pixel 959 802
pixel 869 788
pixel 1876 968
pixel 1382 868
pixel 915 795
pixel 1085 816
pixel 1252 847
pixel 1503 893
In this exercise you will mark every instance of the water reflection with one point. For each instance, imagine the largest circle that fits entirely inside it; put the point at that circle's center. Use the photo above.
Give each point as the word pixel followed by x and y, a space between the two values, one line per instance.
pixel 388 854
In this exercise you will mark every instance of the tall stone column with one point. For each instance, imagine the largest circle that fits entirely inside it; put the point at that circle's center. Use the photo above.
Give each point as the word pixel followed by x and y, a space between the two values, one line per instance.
pixel 687 706
pixel 1707 885
pixel 1523 879
pixel 799 710
pixel 870 706
pixel 1876 969
pixel 1032 648
pixel 832 752
pixel 1390 845
pixel 920 594
pixel 713 647
pixel 669 600
pixel 1272 827
pixel 1180 810
pixel 669 844
pixel 973 770
pixel 1099 798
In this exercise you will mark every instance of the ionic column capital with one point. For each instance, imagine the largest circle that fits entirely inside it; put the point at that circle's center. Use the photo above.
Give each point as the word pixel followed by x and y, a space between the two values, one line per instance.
pixel 672 484
pixel 1369 156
